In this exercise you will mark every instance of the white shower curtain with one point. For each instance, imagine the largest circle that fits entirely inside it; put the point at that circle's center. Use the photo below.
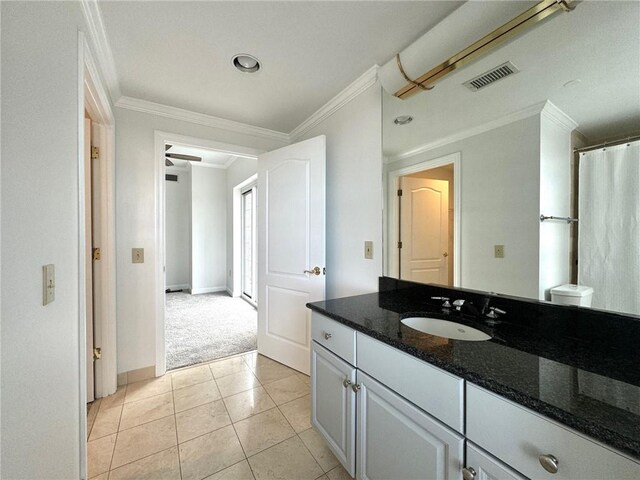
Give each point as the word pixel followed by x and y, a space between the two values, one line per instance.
pixel 609 226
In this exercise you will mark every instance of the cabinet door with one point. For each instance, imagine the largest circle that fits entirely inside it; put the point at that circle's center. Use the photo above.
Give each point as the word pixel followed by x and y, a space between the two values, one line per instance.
pixel 482 466
pixel 397 440
pixel 333 404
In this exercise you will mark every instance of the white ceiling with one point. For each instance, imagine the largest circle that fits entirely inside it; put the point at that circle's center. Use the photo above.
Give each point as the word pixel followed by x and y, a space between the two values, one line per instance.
pixel 210 158
pixel 179 53
pixel 598 43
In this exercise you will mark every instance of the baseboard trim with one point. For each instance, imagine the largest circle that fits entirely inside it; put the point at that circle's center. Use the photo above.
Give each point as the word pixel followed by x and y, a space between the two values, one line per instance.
pixel 137 375
pixel 196 291
pixel 180 286
pixel 230 292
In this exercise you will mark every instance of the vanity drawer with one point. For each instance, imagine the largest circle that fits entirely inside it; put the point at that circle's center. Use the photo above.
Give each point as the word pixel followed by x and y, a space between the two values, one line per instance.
pixel 334 336
pixel 519 437
pixel 433 390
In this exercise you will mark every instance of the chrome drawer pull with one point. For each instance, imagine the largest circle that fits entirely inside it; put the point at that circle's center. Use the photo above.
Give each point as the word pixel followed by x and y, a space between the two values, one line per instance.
pixel 468 473
pixel 549 463
pixel 346 382
pixel 327 335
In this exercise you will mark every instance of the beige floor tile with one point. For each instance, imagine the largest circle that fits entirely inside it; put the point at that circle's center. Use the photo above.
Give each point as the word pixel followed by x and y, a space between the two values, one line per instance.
pixel 191 376
pixel 99 453
pixel 271 371
pixel 287 460
pixel 163 465
pixel 210 453
pixel 339 473
pixel 287 389
pixel 92 413
pixel 222 368
pixel 239 471
pixel 195 395
pixel 146 410
pixel 323 477
pixel 148 388
pixel 305 378
pixel 245 404
pixel 106 423
pixel 103 476
pixel 263 431
pixel 115 399
pixel 251 358
pixel 319 449
pixel 200 420
pixel 298 413
pixel 144 440
pixel 236 383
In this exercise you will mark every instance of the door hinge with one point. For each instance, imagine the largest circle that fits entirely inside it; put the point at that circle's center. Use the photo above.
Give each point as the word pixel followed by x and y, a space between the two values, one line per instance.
pixel 95 153
pixel 400 192
pixel 96 254
pixel 97 353
pixel 399 244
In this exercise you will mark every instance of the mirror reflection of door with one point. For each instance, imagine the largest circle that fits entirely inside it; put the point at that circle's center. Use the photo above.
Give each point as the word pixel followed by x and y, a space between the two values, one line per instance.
pixel 426 226
pixel 249 264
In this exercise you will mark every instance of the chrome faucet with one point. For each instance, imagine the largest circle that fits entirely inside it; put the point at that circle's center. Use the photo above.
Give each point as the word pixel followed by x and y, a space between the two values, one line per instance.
pixel 445 301
pixel 458 304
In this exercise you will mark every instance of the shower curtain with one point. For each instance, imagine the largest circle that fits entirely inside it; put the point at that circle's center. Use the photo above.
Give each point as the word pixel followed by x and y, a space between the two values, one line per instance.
pixel 609 227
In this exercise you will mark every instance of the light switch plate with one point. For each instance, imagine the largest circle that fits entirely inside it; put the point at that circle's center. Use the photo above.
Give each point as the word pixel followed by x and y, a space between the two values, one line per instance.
pixel 368 249
pixel 498 251
pixel 137 255
pixel 48 284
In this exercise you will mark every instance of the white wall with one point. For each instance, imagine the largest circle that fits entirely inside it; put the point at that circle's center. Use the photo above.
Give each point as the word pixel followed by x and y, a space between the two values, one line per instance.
pixel 208 229
pixel 178 229
pixel 500 201
pixel 40 396
pixel 135 223
pixel 240 170
pixel 354 193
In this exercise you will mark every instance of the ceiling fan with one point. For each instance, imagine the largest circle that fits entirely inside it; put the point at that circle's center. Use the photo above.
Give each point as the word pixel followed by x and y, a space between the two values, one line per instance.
pixel 177 156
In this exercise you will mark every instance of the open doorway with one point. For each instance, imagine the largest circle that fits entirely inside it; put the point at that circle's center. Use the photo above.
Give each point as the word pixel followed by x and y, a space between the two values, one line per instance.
pixel 424 226
pixel 204 318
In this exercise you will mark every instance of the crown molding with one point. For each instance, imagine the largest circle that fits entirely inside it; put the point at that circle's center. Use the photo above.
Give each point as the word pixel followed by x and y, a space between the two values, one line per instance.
pixel 536 109
pixel 153 108
pixel 103 53
pixel 354 89
pixel 557 116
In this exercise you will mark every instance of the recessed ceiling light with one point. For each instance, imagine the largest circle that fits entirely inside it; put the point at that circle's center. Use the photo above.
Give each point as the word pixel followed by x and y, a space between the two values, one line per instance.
pixel 246 63
pixel 403 120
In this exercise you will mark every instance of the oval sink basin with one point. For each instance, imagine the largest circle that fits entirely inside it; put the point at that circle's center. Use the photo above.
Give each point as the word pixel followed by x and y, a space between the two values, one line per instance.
pixel 445 328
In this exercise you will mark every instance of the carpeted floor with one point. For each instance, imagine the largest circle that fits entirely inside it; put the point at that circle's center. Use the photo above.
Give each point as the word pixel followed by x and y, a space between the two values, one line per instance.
pixel 200 328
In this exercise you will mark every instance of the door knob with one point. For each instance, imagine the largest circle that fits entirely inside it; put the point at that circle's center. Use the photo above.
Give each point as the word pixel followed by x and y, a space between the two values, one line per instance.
pixel 445 254
pixel 315 271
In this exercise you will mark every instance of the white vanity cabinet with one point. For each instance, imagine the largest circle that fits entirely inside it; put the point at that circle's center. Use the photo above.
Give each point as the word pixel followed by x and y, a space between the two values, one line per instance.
pixel 397 440
pixel 482 466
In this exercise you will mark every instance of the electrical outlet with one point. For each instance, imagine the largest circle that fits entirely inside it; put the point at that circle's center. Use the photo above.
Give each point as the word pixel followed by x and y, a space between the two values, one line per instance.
pixel 368 249
pixel 137 255
pixel 498 251
pixel 48 284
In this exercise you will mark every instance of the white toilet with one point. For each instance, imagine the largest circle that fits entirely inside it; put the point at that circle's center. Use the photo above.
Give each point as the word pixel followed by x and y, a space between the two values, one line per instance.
pixel 572 295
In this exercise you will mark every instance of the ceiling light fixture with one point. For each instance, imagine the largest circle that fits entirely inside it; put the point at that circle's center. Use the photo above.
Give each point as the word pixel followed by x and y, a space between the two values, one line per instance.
pixel 403 120
pixel 246 63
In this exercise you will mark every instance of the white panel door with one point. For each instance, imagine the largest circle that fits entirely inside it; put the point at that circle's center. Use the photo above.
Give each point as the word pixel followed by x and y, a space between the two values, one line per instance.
pixel 424 230
pixel 88 225
pixel 333 404
pixel 291 243
pixel 397 440
pixel 485 467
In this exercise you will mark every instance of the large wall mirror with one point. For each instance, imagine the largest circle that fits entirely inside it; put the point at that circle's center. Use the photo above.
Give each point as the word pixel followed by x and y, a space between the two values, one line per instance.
pixel 468 172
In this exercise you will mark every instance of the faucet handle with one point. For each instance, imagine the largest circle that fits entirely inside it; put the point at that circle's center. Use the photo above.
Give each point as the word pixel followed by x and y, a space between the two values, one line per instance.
pixel 458 304
pixel 446 303
pixel 494 312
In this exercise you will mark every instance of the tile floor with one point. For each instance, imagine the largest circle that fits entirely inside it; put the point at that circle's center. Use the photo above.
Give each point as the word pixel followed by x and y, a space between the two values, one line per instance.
pixel 243 417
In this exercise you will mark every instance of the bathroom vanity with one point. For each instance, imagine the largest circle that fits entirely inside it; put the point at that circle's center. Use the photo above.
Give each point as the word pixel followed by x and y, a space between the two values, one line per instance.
pixel 553 394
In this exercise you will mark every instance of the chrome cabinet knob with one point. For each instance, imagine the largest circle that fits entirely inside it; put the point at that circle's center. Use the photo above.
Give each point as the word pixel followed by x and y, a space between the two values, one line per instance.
pixel 327 335
pixel 355 387
pixel 468 473
pixel 549 463
pixel 346 382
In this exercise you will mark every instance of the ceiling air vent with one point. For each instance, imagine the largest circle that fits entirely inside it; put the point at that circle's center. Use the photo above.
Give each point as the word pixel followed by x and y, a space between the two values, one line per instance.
pixel 492 76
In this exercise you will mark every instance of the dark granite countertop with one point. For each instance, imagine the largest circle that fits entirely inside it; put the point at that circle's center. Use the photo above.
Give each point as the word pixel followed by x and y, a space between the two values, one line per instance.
pixel 577 366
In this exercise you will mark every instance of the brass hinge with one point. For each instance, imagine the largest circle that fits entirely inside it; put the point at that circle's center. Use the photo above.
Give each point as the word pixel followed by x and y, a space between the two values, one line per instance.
pixel 399 244
pixel 96 254
pixel 400 192
pixel 95 153
pixel 97 353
